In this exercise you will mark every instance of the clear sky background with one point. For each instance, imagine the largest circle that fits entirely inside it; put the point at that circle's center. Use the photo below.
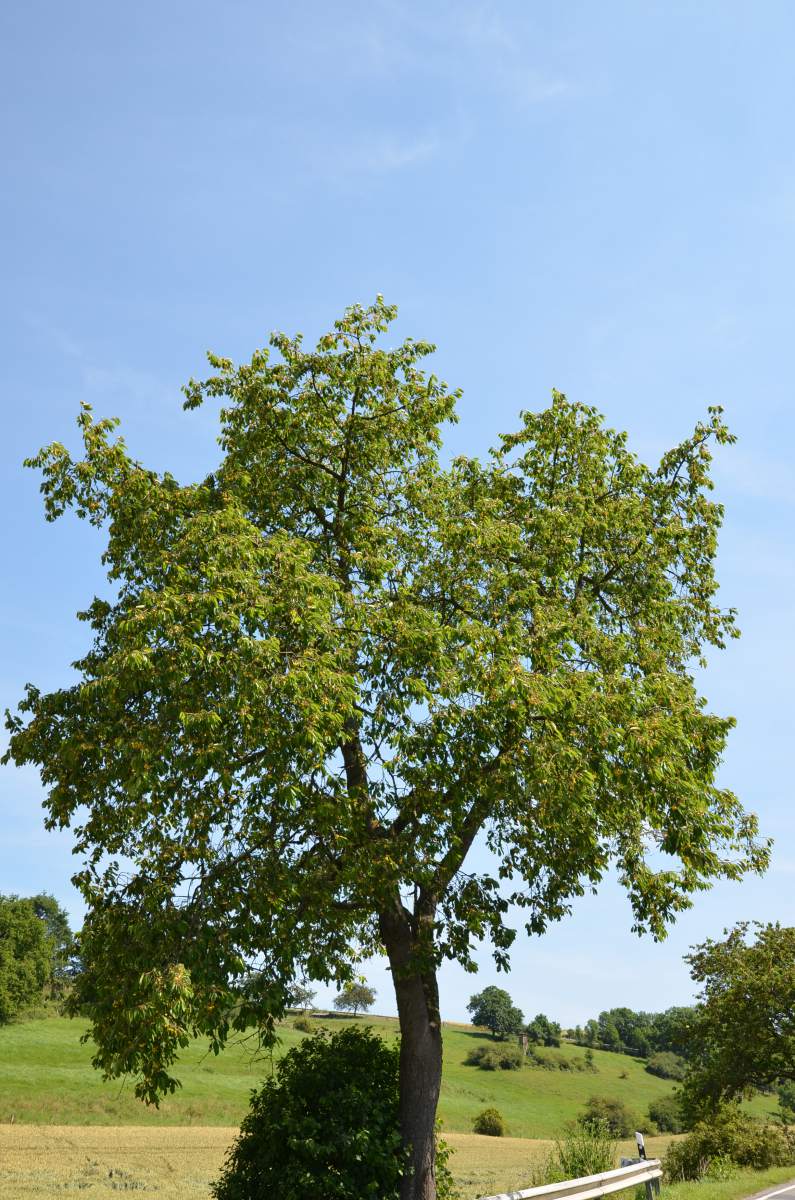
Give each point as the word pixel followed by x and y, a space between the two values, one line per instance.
pixel 593 197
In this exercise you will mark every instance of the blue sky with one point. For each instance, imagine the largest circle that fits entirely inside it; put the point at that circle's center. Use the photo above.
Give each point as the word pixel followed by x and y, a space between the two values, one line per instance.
pixel 593 197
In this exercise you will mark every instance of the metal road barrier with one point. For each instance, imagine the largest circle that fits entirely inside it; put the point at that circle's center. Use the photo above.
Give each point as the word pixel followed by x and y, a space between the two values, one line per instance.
pixel 648 1171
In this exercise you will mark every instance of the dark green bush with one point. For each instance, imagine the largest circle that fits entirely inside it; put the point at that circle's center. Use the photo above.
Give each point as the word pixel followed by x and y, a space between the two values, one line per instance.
pixel 613 1114
pixel 490 1122
pixel 731 1136
pixel 326 1124
pixel 500 1057
pixel 667 1066
pixel 303 1025
pixel 786 1101
pixel 666 1114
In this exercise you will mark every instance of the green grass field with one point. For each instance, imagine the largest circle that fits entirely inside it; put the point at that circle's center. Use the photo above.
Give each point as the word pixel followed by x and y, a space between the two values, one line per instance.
pixel 46 1078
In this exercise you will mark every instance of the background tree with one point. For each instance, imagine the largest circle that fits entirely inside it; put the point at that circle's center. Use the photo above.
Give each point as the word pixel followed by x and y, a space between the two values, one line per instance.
pixel 543 1032
pixel 742 1033
pixel 494 1009
pixel 355 997
pixel 301 996
pixel 591 1033
pixel 327 669
pixel 671 1030
pixel 64 951
pixel 26 956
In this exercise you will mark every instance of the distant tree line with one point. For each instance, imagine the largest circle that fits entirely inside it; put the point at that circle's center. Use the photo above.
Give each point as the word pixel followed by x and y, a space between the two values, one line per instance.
pixel 621 1030
pixel 643 1034
pixel 494 1009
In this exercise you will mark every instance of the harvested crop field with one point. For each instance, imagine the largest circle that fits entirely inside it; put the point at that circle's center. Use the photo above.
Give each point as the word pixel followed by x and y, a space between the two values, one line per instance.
pixel 38 1162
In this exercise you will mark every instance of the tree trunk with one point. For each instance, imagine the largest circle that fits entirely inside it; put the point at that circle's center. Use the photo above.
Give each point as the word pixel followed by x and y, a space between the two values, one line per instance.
pixel 420 1054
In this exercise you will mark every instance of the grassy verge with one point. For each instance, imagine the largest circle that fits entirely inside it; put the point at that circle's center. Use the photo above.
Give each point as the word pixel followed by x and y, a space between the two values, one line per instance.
pixel 744 1183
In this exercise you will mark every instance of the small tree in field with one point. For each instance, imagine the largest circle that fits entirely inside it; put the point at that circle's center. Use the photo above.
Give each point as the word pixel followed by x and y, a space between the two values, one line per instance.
pixel 543 1032
pixel 327 669
pixel 494 1009
pixel 301 996
pixel 355 997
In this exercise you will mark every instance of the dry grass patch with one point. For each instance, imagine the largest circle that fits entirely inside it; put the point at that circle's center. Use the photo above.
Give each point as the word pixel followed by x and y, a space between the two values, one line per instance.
pixel 104 1162
pixel 38 1162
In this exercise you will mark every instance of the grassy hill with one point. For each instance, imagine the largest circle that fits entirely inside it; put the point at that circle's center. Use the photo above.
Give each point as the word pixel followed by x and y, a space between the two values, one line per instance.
pixel 46 1077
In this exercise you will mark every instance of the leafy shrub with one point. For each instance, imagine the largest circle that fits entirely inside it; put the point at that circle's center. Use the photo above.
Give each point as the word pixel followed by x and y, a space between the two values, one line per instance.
pixel 327 1122
pixel 731 1135
pixel 580 1150
pixel 721 1168
pixel 495 1058
pixel 490 1122
pixel 667 1066
pixel 302 1024
pixel 590 1064
pixel 612 1113
pixel 666 1113
pixel 553 1060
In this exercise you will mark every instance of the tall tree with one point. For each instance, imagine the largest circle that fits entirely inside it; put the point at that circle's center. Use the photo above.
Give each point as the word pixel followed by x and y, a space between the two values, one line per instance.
pixel 26 956
pixel 494 1009
pixel 328 668
pixel 56 922
pixel 741 1036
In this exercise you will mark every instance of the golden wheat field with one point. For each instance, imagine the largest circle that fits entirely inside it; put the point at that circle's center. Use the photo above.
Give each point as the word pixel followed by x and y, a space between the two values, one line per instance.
pixel 38 1162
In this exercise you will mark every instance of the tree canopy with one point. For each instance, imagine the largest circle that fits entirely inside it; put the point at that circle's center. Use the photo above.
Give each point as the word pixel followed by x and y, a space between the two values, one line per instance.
pixel 301 996
pixel 742 1033
pixel 326 669
pixel 355 996
pixel 56 921
pixel 26 956
pixel 543 1032
pixel 494 1009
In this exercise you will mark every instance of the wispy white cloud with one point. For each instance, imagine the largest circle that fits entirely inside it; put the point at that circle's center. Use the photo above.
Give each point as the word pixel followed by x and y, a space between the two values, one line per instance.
pixel 392 154
pixel 124 388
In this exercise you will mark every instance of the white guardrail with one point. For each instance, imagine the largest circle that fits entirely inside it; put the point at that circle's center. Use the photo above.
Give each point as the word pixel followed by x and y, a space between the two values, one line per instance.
pixel 648 1171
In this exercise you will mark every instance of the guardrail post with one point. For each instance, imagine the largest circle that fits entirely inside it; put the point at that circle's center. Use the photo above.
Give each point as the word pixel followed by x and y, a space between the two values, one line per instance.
pixel 652 1185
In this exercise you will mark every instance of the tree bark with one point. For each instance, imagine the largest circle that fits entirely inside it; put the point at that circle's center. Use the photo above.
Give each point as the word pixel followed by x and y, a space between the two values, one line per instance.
pixel 417 995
